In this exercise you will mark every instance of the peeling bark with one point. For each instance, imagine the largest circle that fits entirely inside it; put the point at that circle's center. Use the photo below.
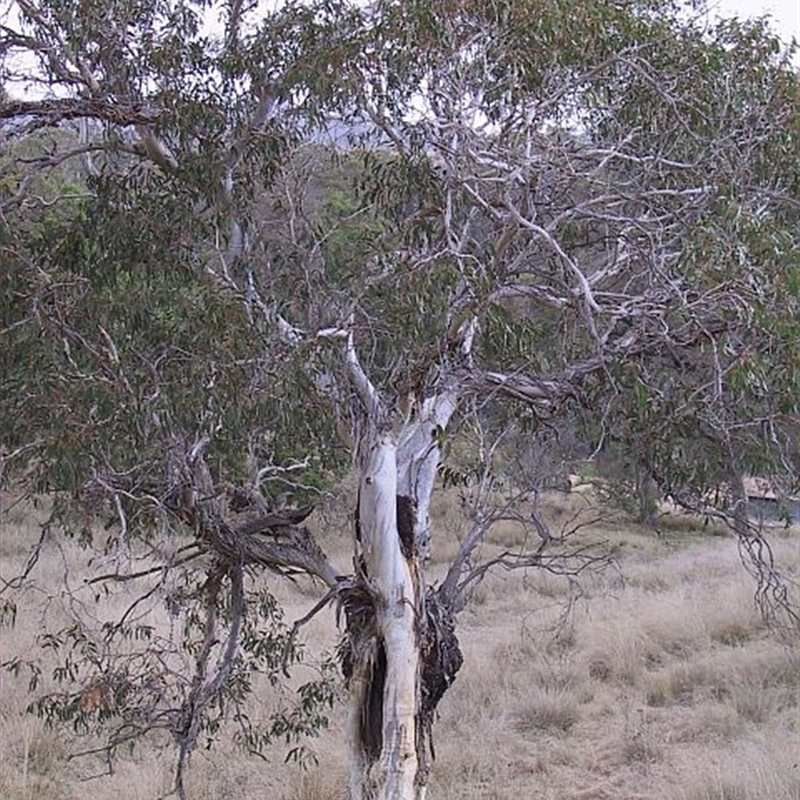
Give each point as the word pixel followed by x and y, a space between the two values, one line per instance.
pixel 401 653
pixel 394 657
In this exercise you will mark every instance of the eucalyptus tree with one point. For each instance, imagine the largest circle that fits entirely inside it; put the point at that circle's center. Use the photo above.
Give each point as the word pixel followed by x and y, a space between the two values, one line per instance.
pixel 142 387
pixel 328 231
pixel 612 174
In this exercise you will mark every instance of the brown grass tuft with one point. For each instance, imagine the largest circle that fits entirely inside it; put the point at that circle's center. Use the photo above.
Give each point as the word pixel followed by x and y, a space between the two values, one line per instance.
pixel 547 711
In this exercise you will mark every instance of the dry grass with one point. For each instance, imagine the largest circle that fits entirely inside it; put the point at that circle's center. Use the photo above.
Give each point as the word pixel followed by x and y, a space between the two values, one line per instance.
pixel 664 684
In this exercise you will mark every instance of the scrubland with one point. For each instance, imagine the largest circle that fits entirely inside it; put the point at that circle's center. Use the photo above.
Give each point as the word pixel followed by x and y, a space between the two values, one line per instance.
pixel 661 683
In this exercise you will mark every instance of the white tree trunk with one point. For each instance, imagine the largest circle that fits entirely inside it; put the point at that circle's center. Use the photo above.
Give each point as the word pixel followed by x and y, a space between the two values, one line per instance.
pixel 418 460
pixel 390 577
pixel 357 762
pixel 398 471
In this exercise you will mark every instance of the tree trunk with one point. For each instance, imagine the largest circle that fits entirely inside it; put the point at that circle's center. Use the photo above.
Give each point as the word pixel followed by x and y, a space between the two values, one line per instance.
pixel 397 665
pixel 739 502
pixel 391 660
pixel 646 494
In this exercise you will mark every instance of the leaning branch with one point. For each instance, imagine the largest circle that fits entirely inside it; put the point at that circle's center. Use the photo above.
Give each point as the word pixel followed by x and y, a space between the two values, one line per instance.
pixel 369 395
pixel 118 577
pixel 51 112
pixel 331 595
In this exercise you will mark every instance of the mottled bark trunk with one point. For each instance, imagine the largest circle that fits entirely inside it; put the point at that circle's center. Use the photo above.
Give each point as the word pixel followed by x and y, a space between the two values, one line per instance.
pixel 397 665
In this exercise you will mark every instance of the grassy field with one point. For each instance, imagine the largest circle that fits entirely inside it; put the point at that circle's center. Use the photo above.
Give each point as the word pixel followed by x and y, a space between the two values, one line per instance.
pixel 662 684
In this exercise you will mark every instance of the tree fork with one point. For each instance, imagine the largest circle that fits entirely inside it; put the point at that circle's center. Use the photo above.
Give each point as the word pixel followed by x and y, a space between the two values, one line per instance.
pixel 401 652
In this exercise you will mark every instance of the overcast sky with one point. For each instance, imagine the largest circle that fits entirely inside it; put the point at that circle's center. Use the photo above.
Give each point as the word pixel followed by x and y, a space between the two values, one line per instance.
pixel 785 13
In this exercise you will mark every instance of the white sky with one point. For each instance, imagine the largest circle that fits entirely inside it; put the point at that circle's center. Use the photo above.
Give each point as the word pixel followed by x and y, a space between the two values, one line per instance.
pixel 785 13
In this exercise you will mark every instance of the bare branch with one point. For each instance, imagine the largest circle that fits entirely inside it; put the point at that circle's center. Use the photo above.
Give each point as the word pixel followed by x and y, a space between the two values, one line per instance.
pixel 205 689
pixel 119 577
pixel 370 397
pixel 51 112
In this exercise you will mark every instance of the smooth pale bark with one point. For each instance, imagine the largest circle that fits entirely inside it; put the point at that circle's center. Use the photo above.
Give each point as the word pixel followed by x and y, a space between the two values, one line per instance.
pixel 357 763
pixel 393 776
pixel 403 465
pixel 398 471
pixel 418 459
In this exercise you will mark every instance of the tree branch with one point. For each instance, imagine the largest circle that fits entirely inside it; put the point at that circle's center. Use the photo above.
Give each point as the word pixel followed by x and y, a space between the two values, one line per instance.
pixel 51 112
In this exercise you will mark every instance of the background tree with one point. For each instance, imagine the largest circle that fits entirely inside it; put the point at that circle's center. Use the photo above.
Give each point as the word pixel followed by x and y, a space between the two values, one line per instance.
pixel 364 222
